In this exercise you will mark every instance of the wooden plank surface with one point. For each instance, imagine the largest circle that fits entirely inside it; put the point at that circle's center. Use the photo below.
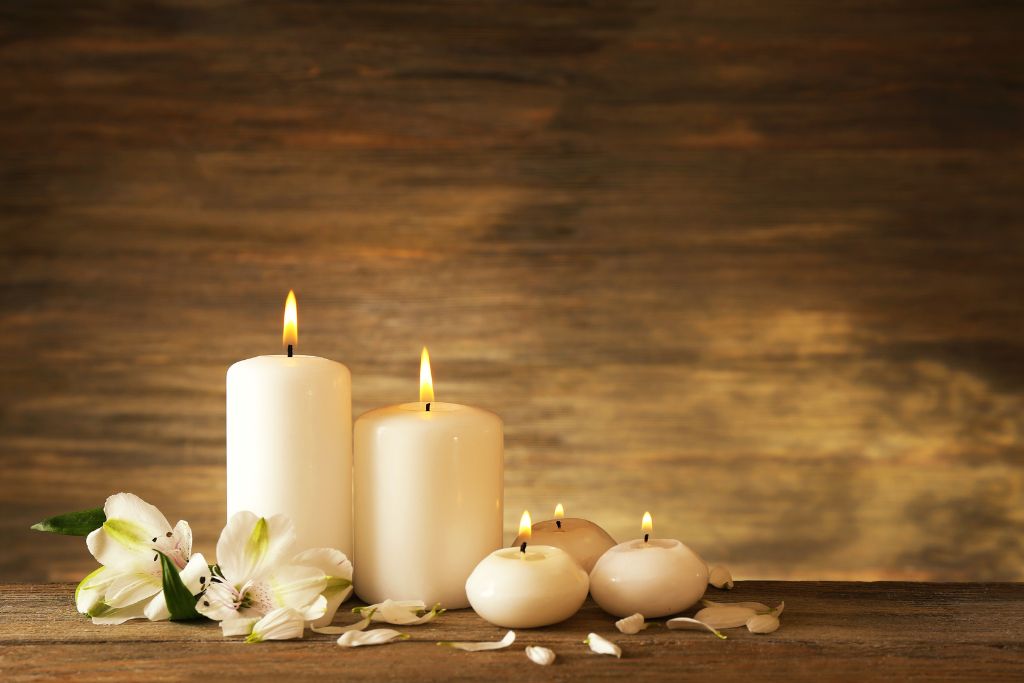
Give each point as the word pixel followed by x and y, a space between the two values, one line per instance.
pixel 830 631
pixel 755 266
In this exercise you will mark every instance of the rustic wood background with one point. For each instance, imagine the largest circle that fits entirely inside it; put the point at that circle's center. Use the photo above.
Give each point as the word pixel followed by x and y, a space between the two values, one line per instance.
pixel 757 267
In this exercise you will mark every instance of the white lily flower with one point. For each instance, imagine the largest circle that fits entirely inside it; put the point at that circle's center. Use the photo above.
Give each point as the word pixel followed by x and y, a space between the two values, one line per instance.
pixel 475 646
pixel 283 623
pixel 129 585
pixel 685 623
pixel 401 612
pixel 720 577
pixel 540 655
pixel 632 624
pixel 603 646
pixel 763 623
pixel 256 577
pixel 378 636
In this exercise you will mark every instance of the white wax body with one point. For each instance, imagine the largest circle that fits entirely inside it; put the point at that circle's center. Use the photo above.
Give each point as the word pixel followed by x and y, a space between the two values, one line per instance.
pixel 542 586
pixel 289 445
pixel 656 578
pixel 581 538
pixel 429 491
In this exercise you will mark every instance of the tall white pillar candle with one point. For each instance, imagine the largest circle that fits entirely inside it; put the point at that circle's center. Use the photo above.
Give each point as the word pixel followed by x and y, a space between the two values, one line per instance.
pixel 289 442
pixel 429 484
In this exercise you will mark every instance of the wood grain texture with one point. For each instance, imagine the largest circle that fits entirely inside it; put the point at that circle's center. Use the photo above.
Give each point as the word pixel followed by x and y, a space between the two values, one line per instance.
pixel 754 266
pixel 830 631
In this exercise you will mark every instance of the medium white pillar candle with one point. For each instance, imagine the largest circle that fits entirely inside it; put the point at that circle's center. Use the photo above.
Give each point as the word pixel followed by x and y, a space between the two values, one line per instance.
pixel 429 482
pixel 527 586
pixel 581 538
pixel 289 442
pixel 653 576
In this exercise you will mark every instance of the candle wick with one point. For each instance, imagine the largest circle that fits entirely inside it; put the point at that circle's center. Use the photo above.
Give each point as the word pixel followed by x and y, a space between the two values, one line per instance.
pixel 558 523
pixel 428 407
pixel 522 548
pixel 291 351
pixel 646 537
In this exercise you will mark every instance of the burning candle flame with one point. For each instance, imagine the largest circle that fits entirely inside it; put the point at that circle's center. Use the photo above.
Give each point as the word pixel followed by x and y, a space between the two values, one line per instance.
pixel 647 525
pixel 559 511
pixel 290 334
pixel 426 381
pixel 525 526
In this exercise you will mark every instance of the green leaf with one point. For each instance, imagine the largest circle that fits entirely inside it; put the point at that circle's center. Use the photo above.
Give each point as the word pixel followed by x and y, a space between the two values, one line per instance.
pixel 73 523
pixel 180 601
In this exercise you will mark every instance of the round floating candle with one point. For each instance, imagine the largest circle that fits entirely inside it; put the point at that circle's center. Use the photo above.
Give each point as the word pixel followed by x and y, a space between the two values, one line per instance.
pixel 653 576
pixel 581 538
pixel 289 441
pixel 528 586
pixel 429 481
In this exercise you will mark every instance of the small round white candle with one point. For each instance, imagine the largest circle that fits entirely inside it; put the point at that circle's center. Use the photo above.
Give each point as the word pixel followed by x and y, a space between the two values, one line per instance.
pixel 653 576
pixel 528 586
pixel 581 538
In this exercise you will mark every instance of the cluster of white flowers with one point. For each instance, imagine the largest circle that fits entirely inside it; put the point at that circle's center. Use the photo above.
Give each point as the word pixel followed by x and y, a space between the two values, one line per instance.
pixel 259 588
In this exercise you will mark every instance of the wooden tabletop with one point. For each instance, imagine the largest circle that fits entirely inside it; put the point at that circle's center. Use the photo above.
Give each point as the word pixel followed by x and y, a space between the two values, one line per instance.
pixel 830 630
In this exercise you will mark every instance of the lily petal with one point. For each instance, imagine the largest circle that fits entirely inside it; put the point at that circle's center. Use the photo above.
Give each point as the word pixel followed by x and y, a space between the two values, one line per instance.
pixel 720 577
pixel 725 616
pixel 130 587
pixel 378 636
pixel 250 547
pixel 603 646
pixel 239 626
pixel 297 587
pixel 110 616
pixel 540 655
pixel 92 588
pixel 763 623
pixel 632 624
pixel 474 646
pixel 338 571
pixel 756 606
pixel 685 623
pixel 283 623
pixel 336 630
pixel 126 537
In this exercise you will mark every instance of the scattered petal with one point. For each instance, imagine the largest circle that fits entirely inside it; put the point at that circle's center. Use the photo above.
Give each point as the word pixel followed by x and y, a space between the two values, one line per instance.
pixel 603 646
pixel 763 623
pixel 240 626
pixel 720 577
pixel 335 630
pixel 685 623
pixel 283 623
pixel 378 636
pixel 725 616
pixel 632 624
pixel 756 606
pixel 401 612
pixel 540 655
pixel 509 638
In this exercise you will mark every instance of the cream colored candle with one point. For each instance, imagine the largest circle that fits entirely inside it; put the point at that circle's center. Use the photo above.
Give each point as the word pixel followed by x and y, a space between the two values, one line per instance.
pixel 289 441
pixel 429 487
pixel 653 576
pixel 527 586
pixel 581 538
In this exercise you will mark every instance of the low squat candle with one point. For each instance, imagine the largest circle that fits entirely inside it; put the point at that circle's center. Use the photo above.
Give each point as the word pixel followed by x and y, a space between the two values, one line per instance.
pixel 429 484
pixel 653 576
pixel 289 441
pixel 581 538
pixel 527 586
